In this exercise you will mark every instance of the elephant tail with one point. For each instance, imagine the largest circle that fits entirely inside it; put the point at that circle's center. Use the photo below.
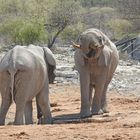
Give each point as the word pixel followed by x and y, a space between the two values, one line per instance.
pixel 12 70
pixel 12 81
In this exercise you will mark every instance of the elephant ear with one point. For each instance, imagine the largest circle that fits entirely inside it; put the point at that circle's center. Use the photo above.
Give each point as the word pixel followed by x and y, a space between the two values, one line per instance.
pixel 49 57
pixel 50 60
pixel 105 56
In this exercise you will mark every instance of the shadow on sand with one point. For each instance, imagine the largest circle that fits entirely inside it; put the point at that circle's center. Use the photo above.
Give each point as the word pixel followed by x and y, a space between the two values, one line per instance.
pixel 75 118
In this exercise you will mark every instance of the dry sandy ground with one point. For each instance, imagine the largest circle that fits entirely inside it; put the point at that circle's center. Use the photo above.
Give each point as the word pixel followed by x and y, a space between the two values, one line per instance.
pixel 122 123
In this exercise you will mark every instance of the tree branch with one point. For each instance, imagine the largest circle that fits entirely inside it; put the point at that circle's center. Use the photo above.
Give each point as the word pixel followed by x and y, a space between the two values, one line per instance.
pixel 55 36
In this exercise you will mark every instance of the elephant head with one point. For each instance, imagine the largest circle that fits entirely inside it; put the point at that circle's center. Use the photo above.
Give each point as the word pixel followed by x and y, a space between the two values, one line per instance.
pixel 92 44
pixel 51 62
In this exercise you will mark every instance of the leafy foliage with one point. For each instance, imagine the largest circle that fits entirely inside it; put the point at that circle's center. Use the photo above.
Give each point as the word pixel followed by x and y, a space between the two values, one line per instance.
pixel 120 27
pixel 72 32
pixel 62 14
pixel 22 32
pixel 92 3
pixel 43 21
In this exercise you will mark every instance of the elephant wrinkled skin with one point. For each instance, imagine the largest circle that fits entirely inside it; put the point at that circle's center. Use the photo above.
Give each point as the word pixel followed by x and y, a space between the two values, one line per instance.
pixel 25 72
pixel 96 59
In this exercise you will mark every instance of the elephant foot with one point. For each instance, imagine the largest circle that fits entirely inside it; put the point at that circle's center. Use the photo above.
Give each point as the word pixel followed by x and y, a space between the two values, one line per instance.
pixel 42 120
pixel 1 123
pixel 2 120
pixel 104 109
pixel 97 112
pixel 85 114
pixel 18 123
pixel 39 120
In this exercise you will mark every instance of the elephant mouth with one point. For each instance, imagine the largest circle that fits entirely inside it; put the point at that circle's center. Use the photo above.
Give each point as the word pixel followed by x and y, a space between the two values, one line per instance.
pixel 91 53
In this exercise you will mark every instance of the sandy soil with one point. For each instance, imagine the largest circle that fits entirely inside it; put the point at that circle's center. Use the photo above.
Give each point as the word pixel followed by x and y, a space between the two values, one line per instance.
pixel 122 123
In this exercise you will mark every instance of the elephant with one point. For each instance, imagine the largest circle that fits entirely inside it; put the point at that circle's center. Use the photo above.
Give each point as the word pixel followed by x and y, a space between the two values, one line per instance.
pixel 96 58
pixel 25 73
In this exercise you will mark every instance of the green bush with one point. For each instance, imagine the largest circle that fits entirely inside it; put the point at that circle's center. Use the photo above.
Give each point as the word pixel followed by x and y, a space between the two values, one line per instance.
pixel 72 32
pixel 22 32
pixel 120 27
pixel 30 33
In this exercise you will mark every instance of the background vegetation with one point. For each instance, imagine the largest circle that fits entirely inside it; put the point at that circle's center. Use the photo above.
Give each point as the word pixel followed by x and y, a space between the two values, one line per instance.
pixel 46 22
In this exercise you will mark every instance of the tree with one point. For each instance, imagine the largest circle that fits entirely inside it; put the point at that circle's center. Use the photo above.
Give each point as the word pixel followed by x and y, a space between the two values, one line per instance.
pixel 54 15
pixel 72 32
pixel 98 17
pixel 119 27
pixel 129 10
pixel 62 14
pixel 95 3
pixel 21 22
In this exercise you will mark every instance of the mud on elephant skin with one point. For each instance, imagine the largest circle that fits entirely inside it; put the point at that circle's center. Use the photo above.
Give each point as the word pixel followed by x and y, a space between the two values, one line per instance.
pixel 23 76
pixel 96 59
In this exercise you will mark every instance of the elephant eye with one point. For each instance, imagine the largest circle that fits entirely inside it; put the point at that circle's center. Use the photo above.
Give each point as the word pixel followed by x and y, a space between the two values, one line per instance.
pixel 90 47
pixel 95 46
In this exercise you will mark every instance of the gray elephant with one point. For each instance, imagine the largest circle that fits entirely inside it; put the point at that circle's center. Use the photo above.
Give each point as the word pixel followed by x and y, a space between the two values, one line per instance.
pixel 96 59
pixel 25 73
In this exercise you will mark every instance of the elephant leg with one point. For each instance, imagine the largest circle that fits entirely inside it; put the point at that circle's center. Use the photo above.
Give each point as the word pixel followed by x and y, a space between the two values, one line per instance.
pixel 6 102
pixel 84 87
pixel 28 113
pixel 39 112
pixel 20 106
pixel 104 100
pixel 43 101
pixel 22 92
pixel 96 103
pixel 90 94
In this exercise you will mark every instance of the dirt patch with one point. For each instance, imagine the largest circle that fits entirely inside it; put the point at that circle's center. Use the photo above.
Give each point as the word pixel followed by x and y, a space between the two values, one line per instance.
pixel 121 123
pixel 19 135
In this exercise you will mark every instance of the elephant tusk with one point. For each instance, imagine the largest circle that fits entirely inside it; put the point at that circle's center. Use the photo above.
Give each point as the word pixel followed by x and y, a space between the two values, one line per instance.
pixel 76 45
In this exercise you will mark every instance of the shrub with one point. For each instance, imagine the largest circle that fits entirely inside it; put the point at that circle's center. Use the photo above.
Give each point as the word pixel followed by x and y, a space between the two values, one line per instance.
pixel 72 32
pixel 120 27
pixel 22 32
